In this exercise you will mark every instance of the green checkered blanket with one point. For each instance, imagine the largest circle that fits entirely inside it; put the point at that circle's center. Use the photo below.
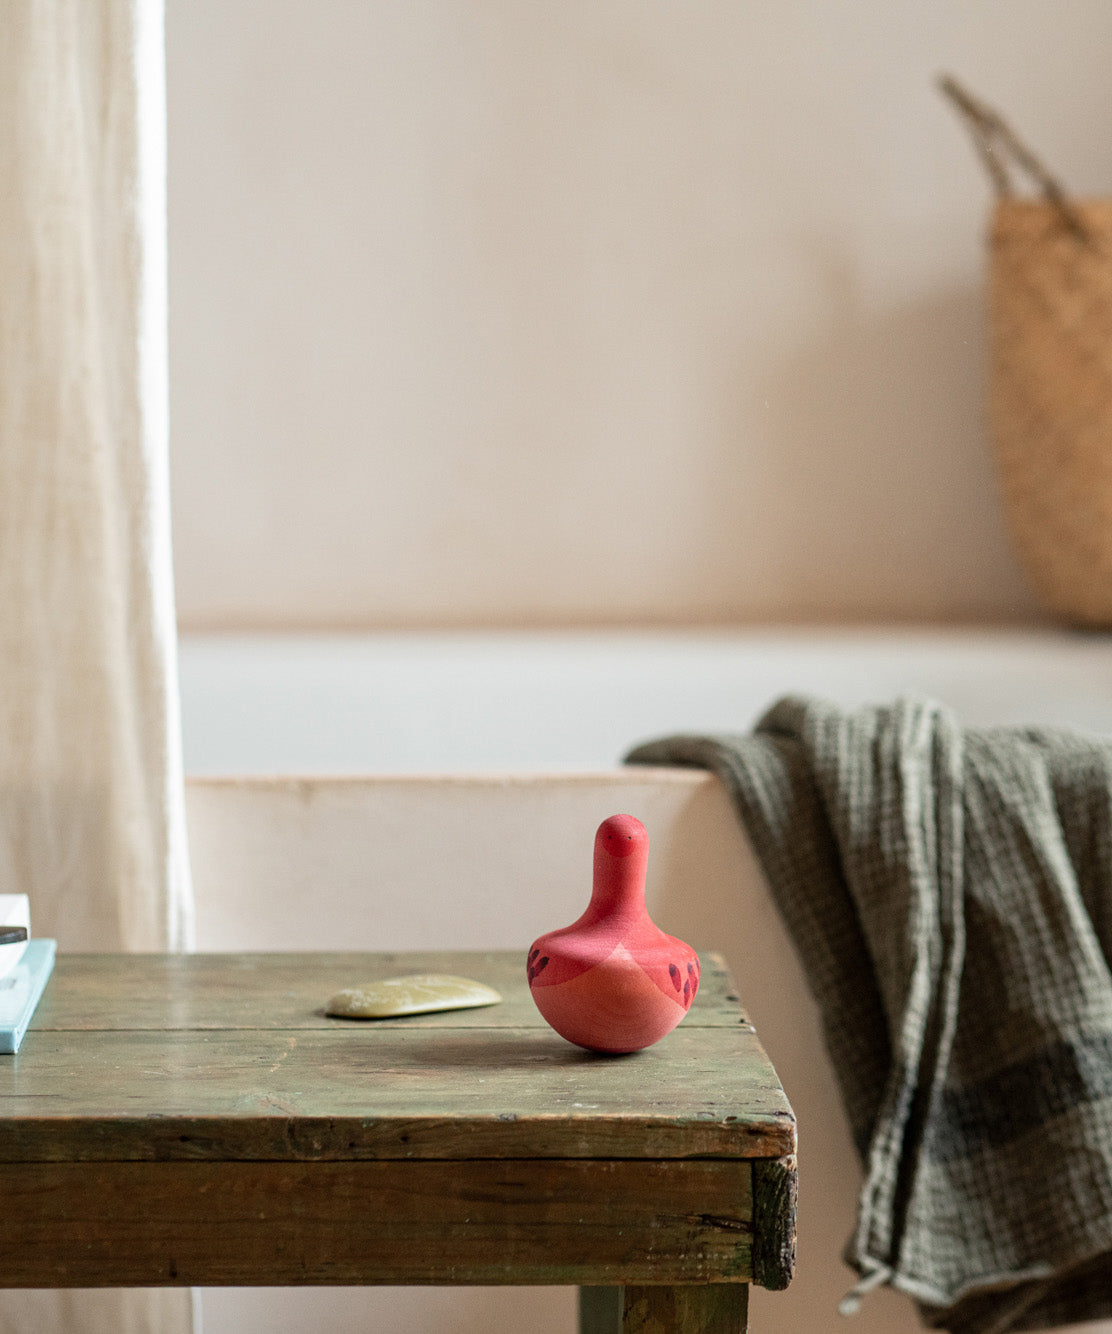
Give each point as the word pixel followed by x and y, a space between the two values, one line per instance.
pixel 949 892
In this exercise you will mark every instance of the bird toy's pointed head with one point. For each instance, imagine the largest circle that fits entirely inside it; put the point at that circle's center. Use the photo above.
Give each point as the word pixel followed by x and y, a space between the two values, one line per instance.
pixel 621 836
pixel 621 865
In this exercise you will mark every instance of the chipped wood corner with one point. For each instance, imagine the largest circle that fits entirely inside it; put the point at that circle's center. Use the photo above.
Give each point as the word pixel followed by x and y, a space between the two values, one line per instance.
pixel 775 1192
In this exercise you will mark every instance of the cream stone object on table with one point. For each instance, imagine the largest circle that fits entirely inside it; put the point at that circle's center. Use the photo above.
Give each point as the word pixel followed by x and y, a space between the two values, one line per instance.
pixel 419 993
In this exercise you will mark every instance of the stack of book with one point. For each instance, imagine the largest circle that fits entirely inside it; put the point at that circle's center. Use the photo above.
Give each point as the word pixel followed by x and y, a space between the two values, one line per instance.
pixel 25 966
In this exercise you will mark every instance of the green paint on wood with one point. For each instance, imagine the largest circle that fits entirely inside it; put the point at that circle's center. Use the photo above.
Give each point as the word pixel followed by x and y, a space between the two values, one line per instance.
pixel 201 991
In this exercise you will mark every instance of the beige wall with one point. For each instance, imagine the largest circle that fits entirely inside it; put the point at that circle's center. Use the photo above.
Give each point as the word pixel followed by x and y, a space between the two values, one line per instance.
pixel 595 311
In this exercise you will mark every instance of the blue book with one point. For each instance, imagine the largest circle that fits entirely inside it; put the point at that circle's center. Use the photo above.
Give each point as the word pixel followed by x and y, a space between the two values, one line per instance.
pixel 20 989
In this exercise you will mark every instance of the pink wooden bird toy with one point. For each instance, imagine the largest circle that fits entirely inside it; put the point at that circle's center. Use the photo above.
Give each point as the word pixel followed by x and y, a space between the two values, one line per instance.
pixel 613 981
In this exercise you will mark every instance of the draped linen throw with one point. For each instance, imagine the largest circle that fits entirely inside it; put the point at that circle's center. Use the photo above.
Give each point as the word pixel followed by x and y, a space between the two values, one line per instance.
pixel 949 892
pixel 92 819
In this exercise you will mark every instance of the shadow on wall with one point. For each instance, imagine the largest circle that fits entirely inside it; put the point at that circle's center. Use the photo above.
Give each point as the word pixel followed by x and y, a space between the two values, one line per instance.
pixel 868 431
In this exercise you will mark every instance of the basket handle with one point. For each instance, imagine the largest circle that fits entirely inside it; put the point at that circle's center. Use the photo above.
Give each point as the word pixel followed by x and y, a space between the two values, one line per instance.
pixel 996 141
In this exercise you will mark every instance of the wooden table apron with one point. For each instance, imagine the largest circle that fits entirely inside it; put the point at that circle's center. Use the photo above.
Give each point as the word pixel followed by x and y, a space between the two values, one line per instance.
pixel 197 1119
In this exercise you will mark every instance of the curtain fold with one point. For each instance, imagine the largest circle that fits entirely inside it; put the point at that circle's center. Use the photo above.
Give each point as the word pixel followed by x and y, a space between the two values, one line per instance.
pixel 92 821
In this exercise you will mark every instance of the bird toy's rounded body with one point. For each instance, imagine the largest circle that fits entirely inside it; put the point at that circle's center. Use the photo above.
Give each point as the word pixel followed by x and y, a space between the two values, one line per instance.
pixel 613 981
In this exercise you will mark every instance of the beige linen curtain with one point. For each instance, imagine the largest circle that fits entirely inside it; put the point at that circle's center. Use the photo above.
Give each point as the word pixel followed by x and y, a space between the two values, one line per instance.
pixel 92 819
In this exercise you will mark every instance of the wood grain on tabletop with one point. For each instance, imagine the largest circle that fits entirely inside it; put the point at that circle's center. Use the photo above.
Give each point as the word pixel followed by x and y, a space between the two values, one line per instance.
pixel 279 1077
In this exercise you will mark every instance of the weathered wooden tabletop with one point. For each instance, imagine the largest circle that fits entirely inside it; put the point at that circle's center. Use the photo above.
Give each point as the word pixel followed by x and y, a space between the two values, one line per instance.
pixel 198 1119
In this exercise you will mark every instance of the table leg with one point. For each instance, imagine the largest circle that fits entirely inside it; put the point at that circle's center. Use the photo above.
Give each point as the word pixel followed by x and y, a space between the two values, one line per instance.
pixel 709 1308
pixel 600 1310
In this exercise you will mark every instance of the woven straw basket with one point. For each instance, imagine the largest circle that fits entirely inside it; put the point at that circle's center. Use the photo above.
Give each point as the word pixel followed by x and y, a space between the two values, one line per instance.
pixel 1050 393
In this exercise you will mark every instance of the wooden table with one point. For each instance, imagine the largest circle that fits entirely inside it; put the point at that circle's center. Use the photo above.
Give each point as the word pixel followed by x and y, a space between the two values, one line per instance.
pixel 197 1119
